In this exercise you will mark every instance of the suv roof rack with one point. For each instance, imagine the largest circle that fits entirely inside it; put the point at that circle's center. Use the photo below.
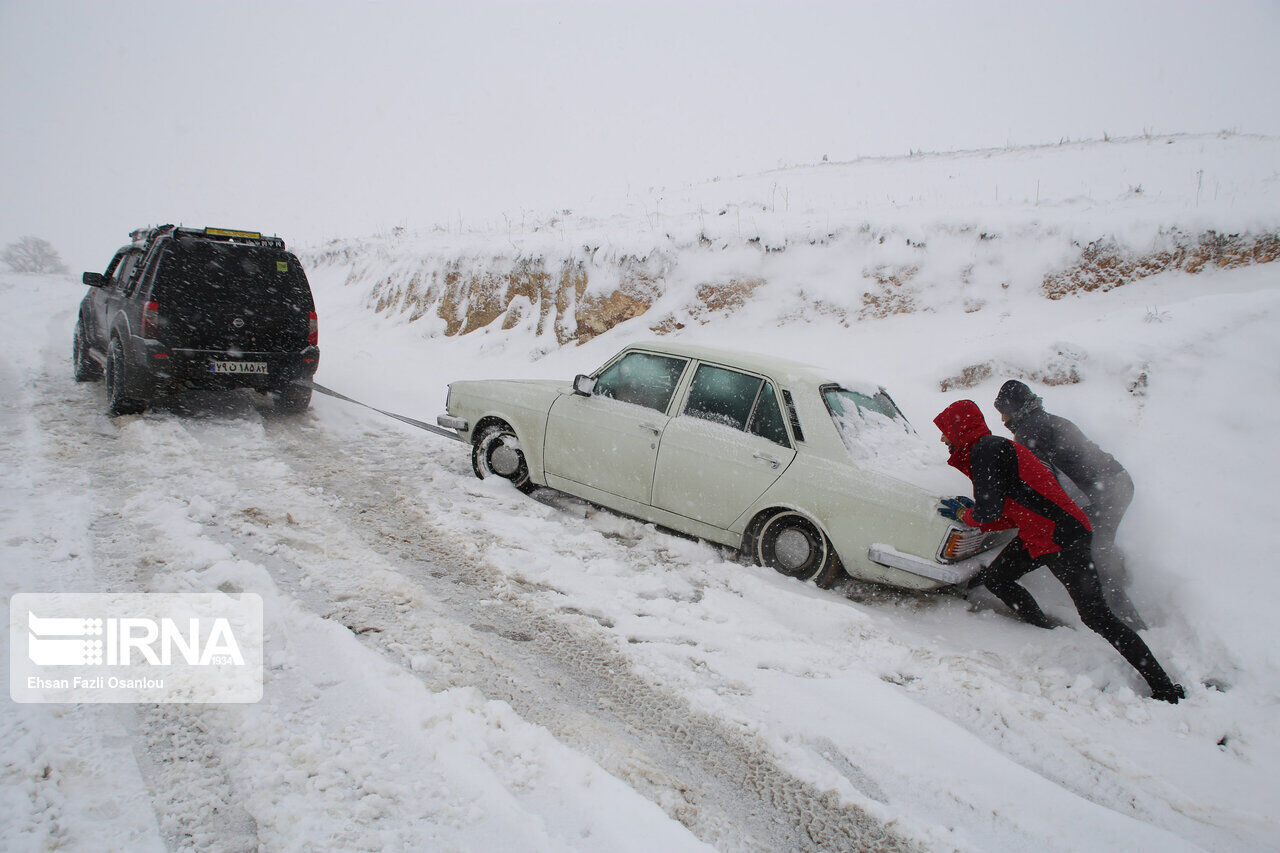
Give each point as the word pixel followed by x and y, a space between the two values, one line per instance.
pixel 144 236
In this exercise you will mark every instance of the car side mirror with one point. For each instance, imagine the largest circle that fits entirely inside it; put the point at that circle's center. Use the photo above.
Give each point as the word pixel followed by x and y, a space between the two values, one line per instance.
pixel 94 279
pixel 584 385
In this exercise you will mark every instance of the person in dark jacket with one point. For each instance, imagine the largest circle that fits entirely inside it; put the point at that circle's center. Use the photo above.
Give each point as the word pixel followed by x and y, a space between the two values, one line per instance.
pixel 1103 481
pixel 1014 489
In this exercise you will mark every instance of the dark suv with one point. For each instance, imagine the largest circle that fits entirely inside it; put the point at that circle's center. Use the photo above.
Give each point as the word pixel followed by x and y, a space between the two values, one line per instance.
pixel 198 308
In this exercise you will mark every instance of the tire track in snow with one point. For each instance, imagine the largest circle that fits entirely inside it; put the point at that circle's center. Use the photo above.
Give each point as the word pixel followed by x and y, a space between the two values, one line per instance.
pixel 178 757
pixel 555 669
pixel 390 506
pixel 373 501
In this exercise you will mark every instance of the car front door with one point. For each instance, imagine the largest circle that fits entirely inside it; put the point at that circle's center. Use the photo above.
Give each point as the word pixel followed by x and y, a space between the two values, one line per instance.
pixel 113 296
pixel 609 440
pixel 97 315
pixel 727 446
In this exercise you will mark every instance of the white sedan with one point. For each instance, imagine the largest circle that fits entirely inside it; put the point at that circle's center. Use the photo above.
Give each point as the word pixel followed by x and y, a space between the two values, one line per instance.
pixel 807 474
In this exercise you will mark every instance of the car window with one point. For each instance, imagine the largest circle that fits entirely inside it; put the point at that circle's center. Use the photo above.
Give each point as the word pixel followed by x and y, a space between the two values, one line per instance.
pixel 722 396
pixel 124 272
pixel 109 275
pixel 736 400
pixel 204 272
pixel 641 378
pixel 152 259
pixel 766 420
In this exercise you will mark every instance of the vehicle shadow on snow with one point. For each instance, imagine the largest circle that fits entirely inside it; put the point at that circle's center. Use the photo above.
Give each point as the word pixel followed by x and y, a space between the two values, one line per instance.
pixel 944 602
pixel 614 526
pixel 238 404
pixel 603 519
pixel 970 601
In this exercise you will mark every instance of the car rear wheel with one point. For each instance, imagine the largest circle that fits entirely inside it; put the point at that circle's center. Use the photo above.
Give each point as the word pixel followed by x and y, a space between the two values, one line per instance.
pixel 293 398
pixel 119 398
pixel 792 545
pixel 496 453
pixel 86 369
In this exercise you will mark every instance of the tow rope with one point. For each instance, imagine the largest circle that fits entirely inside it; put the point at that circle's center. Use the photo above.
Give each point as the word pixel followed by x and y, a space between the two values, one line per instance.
pixel 447 433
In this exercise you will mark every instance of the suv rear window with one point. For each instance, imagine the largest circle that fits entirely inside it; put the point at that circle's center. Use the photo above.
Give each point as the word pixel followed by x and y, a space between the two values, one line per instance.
pixel 204 271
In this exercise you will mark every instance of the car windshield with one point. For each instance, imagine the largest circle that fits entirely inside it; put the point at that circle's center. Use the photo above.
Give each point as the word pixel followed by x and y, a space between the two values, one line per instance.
pixel 879 438
pixel 844 403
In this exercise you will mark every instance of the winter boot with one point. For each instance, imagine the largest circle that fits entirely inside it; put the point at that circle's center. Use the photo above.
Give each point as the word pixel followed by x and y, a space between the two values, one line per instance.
pixel 1170 694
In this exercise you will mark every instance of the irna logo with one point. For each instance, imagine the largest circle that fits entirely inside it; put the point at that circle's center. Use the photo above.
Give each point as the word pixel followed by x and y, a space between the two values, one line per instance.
pixel 135 647
pixel 91 641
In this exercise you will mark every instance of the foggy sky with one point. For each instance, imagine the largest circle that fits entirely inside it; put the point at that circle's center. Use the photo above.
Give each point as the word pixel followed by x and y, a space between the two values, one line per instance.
pixel 318 119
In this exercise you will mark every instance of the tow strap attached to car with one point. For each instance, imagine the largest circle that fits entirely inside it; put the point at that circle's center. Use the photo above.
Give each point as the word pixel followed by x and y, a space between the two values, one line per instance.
pixel 447 433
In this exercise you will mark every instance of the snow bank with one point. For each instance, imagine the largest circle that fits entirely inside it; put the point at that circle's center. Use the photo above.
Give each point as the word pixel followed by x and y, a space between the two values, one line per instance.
pixel 872 238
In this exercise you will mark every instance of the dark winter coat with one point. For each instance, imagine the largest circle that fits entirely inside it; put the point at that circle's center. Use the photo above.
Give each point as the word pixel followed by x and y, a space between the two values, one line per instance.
pixel 1011 487
pixel 1056 441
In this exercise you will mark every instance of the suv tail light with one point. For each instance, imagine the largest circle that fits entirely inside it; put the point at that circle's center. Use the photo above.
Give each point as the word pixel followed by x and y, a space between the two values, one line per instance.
pixel 313 330
pixel 150 319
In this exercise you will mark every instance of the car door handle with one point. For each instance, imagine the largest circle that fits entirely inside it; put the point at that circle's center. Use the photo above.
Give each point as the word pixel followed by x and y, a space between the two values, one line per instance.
pixel 773 463
pixel 653 428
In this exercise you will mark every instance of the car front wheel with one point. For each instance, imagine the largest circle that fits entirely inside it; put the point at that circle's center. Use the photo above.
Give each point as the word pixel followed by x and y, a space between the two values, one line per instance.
pixel 496 453
pixel 792 545
pixel 119 401
pixel 86 369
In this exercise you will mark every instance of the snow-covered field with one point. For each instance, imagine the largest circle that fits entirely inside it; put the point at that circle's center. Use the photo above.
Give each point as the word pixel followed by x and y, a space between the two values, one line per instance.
pixel 453 665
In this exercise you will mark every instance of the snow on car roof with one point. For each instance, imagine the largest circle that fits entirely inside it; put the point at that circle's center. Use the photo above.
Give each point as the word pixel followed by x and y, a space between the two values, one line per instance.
pixel 784 371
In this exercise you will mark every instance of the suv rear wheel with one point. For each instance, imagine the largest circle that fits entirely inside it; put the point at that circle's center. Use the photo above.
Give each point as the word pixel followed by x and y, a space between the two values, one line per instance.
pixel 86 369
pixel 119 401
pixel 293 398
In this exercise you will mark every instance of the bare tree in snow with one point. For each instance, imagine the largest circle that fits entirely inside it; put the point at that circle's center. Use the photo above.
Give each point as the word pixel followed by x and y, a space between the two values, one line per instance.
pixel 31 254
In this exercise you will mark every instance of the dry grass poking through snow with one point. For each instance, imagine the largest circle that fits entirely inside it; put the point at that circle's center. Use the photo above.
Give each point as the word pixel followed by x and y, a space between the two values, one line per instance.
pixel 1104 265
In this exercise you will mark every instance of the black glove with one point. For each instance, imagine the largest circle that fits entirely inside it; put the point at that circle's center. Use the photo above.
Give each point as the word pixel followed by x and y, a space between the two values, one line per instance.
pixel 953 508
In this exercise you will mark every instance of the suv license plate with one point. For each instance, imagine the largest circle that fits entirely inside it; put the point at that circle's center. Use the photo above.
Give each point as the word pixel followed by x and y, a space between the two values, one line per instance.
pixel 238 367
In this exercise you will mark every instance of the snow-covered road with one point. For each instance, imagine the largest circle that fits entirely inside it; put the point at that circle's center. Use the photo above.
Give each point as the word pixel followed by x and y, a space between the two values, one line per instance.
pixel 450 664
pixel 416 697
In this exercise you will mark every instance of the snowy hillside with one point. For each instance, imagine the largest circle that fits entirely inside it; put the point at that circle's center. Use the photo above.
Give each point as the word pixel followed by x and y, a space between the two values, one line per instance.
pixel 454 665
pixel 845 241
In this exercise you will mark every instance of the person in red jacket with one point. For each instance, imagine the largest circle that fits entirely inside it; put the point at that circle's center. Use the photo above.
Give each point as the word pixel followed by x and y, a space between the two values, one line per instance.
pixel 1014 489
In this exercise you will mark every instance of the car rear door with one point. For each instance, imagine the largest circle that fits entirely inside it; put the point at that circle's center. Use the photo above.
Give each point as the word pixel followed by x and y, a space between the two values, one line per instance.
pixel 725 448
pixel 609 440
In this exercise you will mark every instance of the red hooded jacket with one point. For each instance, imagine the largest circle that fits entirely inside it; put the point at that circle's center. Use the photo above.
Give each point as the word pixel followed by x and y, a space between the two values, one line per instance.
pixel 1011 487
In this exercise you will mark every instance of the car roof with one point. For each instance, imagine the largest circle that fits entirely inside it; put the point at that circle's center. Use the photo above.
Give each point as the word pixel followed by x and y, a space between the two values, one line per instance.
pixel 783 370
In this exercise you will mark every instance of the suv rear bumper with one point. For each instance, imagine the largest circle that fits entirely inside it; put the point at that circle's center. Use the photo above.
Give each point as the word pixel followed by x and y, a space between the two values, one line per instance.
pixel 167 370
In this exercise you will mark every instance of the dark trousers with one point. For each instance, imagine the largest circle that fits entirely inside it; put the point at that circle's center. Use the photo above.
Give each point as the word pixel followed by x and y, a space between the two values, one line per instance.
pixel 1107 505
pixel 1073 567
